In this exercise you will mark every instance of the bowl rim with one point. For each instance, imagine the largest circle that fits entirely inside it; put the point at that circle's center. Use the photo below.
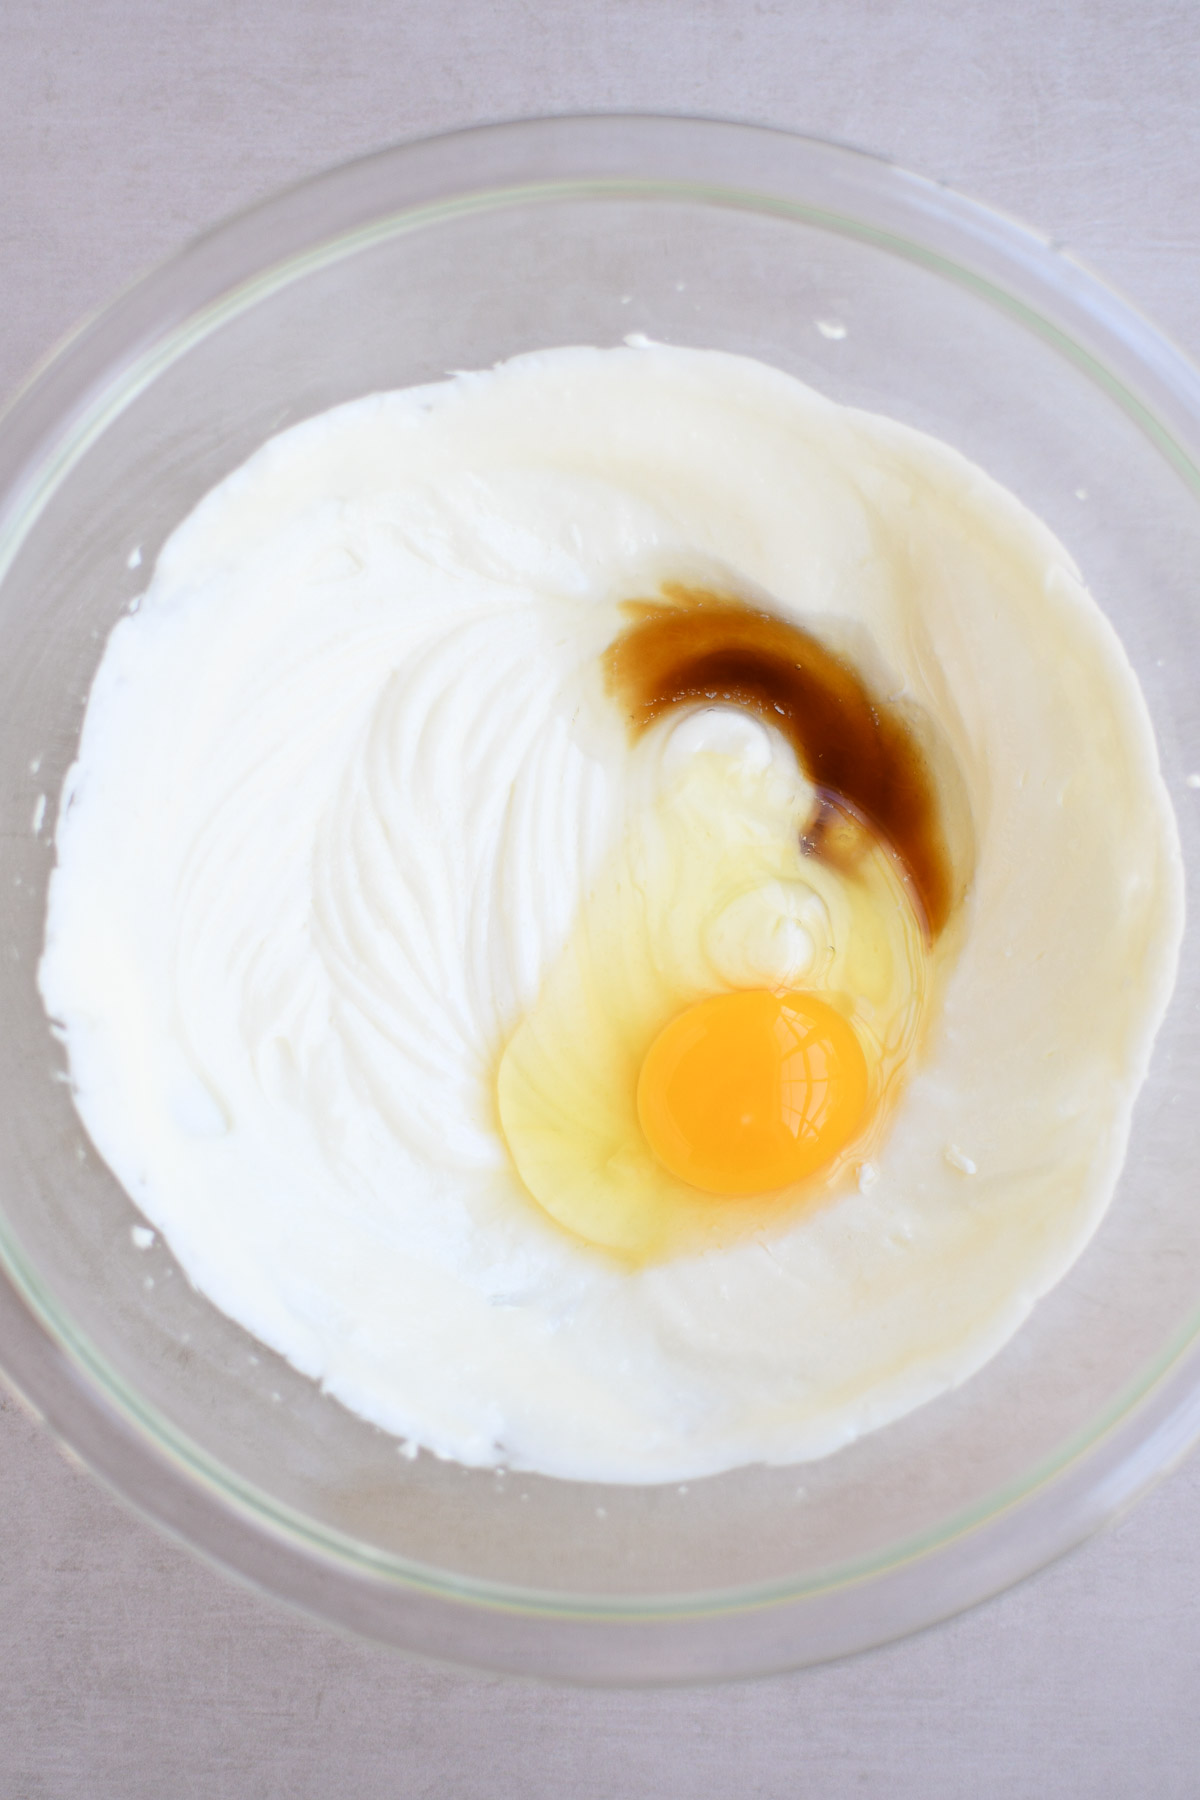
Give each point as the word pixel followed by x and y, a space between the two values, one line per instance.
pixel 50 422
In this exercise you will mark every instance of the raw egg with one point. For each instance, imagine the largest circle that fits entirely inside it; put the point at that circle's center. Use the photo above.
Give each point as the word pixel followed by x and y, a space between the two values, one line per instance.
pixel 727 1027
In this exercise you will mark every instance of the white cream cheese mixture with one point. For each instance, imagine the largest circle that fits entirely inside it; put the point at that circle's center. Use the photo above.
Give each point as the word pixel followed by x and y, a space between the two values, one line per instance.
pixel 351 795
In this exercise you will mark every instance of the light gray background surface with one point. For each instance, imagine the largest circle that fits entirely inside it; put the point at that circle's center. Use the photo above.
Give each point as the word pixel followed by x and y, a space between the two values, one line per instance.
pixel 129 1671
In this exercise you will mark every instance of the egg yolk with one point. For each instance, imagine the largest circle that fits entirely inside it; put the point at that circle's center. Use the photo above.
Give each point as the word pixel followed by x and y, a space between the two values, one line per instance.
pixel 752 1090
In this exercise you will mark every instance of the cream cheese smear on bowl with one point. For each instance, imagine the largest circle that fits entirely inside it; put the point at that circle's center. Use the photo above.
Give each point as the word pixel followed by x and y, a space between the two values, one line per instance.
pixel 614 912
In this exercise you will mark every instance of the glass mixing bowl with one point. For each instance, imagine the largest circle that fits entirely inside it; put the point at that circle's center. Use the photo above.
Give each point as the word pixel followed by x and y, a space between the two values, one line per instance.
pixel 881 289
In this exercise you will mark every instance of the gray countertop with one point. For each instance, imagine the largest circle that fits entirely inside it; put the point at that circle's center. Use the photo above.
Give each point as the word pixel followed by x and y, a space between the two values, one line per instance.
pixel 129 1671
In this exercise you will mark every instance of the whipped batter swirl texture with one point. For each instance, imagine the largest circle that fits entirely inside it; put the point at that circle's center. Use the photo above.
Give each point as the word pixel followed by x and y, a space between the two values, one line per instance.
pixel 349 780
